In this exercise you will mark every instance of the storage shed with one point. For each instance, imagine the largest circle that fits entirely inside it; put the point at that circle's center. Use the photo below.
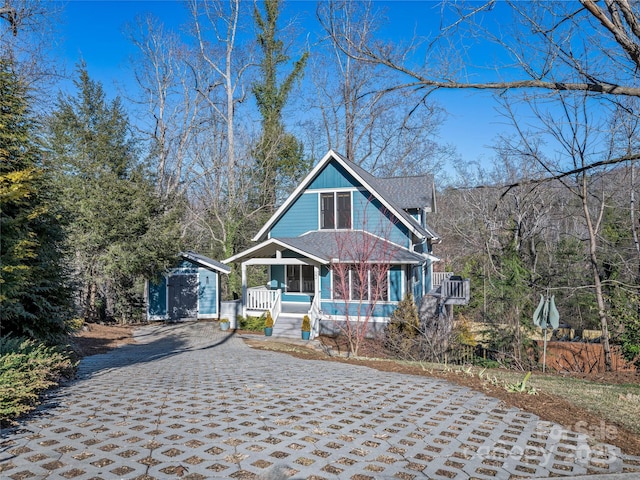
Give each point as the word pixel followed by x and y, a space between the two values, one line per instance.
pixel 191 290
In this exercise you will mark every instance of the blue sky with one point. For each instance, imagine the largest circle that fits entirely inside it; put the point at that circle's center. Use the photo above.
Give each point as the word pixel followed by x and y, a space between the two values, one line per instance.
pixel 92 30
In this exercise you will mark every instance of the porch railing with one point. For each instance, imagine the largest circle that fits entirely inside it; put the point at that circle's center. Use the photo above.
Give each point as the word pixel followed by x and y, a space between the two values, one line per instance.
pixel 261 298
pixel 456 291
pixel 438 277
pixel 314 315
pixel 276 307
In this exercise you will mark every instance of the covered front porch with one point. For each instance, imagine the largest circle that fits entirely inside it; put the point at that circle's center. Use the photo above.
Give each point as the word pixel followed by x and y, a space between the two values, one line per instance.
pixel 292 290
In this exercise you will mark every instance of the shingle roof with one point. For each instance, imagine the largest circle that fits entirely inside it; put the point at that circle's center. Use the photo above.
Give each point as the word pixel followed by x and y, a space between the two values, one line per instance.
pixel 391 192
pixel 205 261
pixel 351 246
pixel 409 192
pixel 406 192
pixel 401 192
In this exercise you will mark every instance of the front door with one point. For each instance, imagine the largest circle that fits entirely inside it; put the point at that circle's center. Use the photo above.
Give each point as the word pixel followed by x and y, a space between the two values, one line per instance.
pixel 183 296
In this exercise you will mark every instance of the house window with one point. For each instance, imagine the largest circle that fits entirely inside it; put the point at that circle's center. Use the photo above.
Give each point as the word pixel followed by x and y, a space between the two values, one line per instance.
pixel 351 283
pixel 335 206
pixel 344 209
pixel 300 278
pixel 379 278
pixel 327 214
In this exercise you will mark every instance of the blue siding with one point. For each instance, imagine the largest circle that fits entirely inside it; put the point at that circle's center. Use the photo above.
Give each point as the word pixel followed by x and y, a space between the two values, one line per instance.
pixel 277 277
pixel 325 283
pixel 207 292
pixel 158 297
pixel 369 215
pixel 300 217
pixel 395 283
pixel 297 297
pixel 185 267
pixel 332 176
pixel 335 308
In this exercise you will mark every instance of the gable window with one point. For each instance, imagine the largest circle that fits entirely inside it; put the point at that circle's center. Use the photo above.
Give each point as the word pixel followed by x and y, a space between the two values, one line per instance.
pixel 300 278
pixel 327 214
pixel 344 209
pixel 335 210
pixel 353 283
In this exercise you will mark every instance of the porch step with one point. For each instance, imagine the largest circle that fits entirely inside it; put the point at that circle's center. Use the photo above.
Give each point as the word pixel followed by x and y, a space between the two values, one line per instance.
pixel 288 325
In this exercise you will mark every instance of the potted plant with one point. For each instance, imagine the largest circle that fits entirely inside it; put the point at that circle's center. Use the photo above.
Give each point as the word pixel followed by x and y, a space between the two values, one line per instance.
pixel 306 327
pixel 224 324
pixel 268 325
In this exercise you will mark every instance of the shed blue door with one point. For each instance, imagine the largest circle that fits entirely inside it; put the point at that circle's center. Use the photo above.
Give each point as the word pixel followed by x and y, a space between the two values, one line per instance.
pixel 183 296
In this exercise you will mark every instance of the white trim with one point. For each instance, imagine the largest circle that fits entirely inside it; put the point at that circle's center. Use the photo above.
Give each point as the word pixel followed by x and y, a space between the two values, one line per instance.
pixel 333 189
pixel 277 261
pixel 266 228
pixel 368 299
pixel 204 264
pixel 343 318
pixel 334 193
pixel 275 241
pixel 300 279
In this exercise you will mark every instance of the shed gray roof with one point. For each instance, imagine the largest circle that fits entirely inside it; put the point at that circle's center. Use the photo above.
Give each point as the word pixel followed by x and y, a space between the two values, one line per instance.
pixel 351 246
pixel 205 262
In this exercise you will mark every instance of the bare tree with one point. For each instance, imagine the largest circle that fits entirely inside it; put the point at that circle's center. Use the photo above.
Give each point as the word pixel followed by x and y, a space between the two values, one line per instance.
pixel 216 27
pixel 550 46
pixel 579 137
pixel 27 36
pixel 173 115
pixel 388 132
pixel 359 283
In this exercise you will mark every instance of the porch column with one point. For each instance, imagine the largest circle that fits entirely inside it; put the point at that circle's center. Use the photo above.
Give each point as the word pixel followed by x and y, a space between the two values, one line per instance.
pixel 316 298
pixel 244 289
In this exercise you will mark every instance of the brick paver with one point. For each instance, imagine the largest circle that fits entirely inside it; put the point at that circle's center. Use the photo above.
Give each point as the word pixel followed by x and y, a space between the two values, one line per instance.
pixel 188 401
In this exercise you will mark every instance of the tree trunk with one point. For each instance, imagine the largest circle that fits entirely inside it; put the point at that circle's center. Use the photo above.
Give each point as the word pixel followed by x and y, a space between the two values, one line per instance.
pixel 604 323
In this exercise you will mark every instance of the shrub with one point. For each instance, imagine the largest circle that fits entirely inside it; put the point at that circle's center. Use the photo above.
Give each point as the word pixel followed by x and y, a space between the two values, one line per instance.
pixel 402 329
pixel 306 324
pixel 253 324
pixel 27 369
pixel 268 323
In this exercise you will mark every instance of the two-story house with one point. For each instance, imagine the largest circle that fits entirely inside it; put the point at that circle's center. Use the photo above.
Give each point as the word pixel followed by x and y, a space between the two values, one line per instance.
pixel 345 246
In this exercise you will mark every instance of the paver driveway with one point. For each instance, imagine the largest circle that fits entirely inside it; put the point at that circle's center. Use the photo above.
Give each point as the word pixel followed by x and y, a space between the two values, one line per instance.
pixel 188 401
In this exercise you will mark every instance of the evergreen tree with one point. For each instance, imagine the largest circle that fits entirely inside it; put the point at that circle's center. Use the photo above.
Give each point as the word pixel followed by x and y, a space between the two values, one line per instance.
pixel 119 229
pixel 34 294
pixel 280 154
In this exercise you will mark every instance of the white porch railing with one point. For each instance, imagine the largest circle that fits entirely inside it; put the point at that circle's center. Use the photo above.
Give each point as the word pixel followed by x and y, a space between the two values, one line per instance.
pixel 437 278
pixel 314 315
pixel 276 308
pixel 261 298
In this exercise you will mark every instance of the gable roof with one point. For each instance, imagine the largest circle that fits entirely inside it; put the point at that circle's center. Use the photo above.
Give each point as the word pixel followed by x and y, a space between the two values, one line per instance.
pixel 406 192
pixel 205 262
pixel 326 245
pixel 388 191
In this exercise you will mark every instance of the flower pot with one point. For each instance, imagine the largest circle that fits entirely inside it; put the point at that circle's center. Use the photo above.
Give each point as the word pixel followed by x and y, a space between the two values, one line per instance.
pixel 268 331
pixel 224 326
pixel 306 335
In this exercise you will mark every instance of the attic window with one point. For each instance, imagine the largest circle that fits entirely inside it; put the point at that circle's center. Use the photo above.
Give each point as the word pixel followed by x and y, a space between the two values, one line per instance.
pixel 335 205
